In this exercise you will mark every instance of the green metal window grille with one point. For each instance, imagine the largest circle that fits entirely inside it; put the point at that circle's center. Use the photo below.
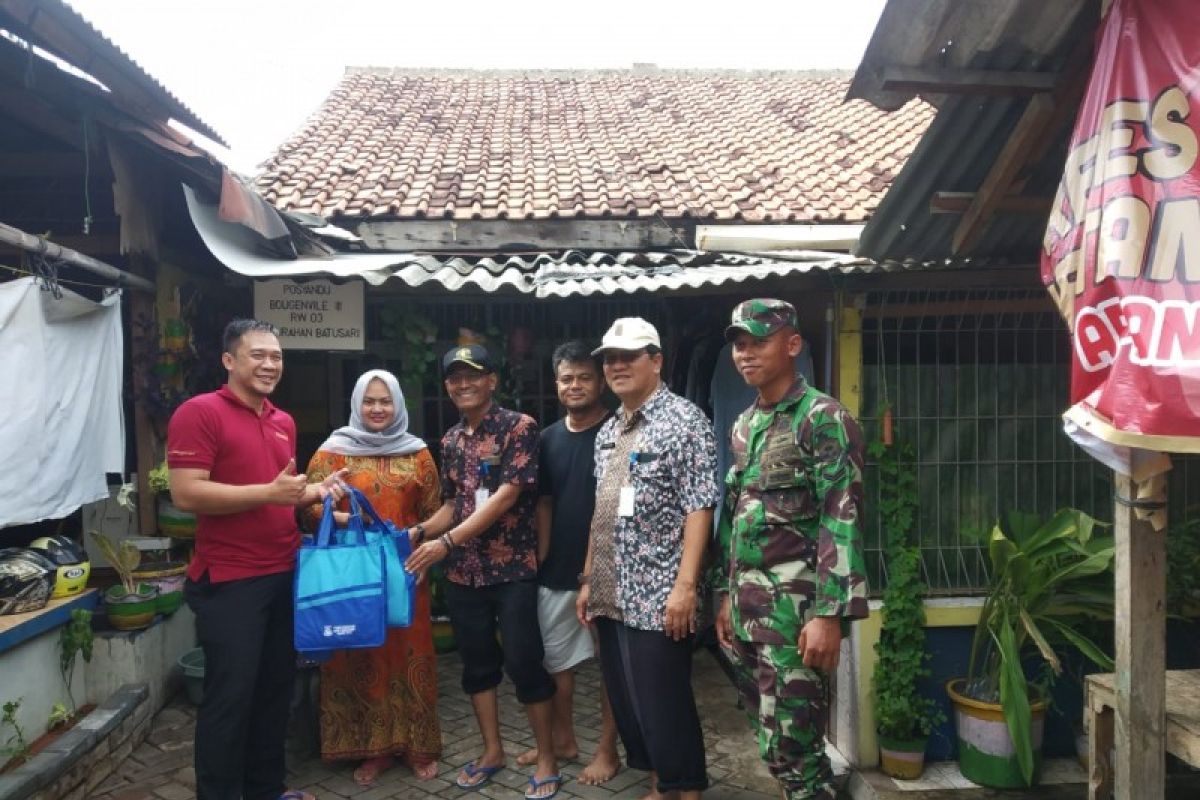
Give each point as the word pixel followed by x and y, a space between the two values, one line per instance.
pixel 977 382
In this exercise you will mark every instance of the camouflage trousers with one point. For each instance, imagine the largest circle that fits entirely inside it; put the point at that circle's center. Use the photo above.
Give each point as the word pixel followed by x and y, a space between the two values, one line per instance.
pixel 788 704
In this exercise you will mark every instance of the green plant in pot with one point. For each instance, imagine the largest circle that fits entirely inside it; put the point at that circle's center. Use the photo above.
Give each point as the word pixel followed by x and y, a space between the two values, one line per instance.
pixel 904 718
pixel 1051 581
pixel 129 605
pixel 172 520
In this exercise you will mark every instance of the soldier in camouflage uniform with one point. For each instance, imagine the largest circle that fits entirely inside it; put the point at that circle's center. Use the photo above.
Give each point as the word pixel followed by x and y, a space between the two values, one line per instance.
pixel 790 538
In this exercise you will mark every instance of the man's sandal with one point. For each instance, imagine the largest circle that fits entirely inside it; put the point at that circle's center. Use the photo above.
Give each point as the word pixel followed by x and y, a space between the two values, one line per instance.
pixel 472 771
pixel 534 785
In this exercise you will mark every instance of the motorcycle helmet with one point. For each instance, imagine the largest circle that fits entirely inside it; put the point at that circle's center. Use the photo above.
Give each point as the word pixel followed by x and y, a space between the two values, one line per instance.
pixel 73 568
pixel 26 580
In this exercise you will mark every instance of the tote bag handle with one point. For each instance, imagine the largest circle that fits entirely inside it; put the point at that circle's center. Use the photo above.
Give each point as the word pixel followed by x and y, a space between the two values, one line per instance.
pixel 356 534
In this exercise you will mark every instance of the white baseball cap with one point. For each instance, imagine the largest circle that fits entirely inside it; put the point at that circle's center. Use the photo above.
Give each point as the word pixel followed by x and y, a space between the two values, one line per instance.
pixel 629 333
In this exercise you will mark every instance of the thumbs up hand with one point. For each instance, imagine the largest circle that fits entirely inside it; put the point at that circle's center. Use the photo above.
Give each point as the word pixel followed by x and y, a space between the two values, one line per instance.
pixel 288 488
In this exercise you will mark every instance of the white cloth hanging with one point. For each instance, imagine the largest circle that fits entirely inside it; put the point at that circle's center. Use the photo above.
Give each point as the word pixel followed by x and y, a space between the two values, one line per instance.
pixel 61 421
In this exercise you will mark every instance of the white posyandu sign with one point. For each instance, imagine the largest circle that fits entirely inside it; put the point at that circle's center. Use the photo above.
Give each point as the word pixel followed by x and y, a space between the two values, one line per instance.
pixel 314 315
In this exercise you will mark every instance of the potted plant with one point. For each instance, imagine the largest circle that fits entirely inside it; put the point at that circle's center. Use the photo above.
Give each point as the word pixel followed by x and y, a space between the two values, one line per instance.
pixel 443 633
pixel 1049 581
pixel 904 718
pixel 129 605
pixel 172 521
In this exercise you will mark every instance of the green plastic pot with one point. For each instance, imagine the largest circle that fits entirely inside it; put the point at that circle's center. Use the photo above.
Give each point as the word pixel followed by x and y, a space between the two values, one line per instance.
pixel 130 612
pixel 902 758
pixel 173 522
pixel 168 578
pixel 986 754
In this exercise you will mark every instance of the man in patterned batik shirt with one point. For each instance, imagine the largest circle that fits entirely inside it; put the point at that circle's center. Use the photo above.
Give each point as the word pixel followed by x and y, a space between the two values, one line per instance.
pixel 486 534
pixel 792 547
pixel 655 495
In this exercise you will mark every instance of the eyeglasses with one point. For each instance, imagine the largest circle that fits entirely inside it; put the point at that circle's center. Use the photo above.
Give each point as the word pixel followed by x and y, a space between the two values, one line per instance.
pixel 623 356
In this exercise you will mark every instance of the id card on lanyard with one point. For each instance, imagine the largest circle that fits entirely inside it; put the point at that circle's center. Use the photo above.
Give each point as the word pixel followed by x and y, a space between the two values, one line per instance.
pixel 482 493
pixel 625 499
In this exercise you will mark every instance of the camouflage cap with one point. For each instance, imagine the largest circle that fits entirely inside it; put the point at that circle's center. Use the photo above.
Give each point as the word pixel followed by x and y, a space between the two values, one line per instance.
pixel 761 316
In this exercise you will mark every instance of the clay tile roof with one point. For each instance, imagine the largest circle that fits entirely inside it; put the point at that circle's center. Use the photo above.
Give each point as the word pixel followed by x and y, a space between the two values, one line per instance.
pixel 715 146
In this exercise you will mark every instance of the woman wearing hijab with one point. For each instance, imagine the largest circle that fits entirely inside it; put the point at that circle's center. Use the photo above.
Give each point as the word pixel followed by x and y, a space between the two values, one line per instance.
pixel 380 704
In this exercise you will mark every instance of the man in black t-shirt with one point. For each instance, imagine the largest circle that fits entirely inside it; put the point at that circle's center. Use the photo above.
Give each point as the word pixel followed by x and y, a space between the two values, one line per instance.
pixel 567 489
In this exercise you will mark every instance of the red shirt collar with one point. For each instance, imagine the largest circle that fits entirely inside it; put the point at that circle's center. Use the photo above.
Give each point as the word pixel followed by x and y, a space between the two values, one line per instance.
pixel 227 393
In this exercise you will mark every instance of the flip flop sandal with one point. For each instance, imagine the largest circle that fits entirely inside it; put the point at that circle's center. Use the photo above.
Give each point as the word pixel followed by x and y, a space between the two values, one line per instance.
pixel 471 770
pixel 535 784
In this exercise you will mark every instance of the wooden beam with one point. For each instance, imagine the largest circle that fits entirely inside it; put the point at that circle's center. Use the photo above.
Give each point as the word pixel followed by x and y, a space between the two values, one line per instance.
pixel 1004 172
pixel 33 113
pixel 142 356
pixel 95 245
pixel 36 244
pixel 549 234
pixel 1141 637
pixel 1035 133
pixel 960 202
pixel 1100 748
pixel 919 80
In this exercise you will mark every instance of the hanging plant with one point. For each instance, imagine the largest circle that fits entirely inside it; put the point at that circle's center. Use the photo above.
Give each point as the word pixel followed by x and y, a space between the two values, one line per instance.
pixel 902 713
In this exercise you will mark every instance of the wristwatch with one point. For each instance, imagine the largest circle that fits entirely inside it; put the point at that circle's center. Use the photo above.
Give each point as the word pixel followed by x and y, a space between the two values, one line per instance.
pixel 583 578
pixel 420 529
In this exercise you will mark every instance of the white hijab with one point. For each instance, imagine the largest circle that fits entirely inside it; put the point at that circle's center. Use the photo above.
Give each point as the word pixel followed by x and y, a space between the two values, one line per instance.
pixel 394 440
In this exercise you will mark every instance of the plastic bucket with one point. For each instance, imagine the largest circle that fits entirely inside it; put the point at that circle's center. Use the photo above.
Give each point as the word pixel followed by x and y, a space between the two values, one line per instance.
pixel 192 664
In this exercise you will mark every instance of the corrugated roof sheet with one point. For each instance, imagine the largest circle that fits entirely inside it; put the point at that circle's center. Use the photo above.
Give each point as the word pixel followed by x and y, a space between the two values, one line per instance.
pixel 760 147
pixel 544 274
pixel 57 28
pixel 963 141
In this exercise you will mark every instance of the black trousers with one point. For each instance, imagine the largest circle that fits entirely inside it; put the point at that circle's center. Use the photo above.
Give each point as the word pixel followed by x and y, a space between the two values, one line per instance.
pixel 245 628
pixel 649 680
pixel 477 613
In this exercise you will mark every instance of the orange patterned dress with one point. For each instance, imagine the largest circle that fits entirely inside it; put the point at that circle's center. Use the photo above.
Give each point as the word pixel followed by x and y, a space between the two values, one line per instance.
pixel 383 701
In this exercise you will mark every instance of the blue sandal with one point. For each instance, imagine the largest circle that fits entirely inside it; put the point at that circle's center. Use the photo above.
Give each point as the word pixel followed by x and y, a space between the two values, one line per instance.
pixel 535 784
pixel 471 770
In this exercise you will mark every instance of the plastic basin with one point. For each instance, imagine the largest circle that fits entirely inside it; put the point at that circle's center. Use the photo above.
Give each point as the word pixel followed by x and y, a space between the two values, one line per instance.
pixel 192 664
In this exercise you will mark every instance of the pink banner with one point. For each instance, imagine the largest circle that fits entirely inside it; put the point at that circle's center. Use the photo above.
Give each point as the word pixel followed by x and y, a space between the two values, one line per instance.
pixel 1121 256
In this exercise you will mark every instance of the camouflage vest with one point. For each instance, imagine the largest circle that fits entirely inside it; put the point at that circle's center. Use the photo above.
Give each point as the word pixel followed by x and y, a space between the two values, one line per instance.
pixel 789 461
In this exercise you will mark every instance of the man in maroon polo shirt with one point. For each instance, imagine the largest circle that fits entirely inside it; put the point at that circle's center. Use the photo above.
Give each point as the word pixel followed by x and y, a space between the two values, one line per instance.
pixel 232 456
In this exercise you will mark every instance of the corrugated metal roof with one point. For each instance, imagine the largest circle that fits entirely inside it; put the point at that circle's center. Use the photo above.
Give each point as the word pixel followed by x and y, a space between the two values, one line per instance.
pixel 541 275
pixel 59 29
pixel 969 131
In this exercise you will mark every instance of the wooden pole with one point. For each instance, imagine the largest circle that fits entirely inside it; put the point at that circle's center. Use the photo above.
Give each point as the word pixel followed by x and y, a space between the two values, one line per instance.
pixel 36 244
pixel 141 354
pixel 1141 636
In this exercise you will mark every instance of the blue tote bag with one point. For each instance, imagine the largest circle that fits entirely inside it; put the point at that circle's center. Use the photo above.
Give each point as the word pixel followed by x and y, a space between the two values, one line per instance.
pixel 401 584
pixel 341 589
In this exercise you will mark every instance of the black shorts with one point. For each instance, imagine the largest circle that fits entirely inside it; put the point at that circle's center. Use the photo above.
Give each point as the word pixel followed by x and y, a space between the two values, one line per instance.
pixel 478 614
